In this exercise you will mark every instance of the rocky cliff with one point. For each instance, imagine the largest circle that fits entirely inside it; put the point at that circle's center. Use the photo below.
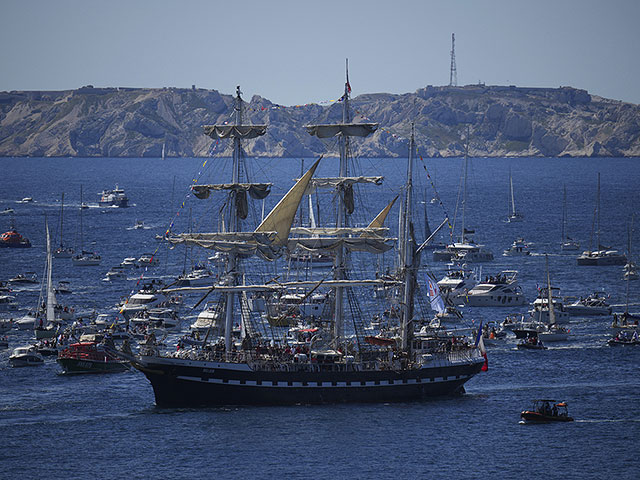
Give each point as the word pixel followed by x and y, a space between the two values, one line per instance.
pixel 504 121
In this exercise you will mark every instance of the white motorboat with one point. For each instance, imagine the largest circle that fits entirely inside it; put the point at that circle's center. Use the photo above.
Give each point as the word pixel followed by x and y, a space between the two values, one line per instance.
pixel 115 273
pixel 7 302
pixel 148 260
pixel 26 200
pixel 25 357
pixel 540 311
pixel 113 198
pixel 211 320
pixel 27 278
pixel 144 299
pixel 7 211
pixel 501 290
pixel 198 277
pixel 518 248
pixel 63 287
pixel 458 281
pixel 129 263
pixel 594 304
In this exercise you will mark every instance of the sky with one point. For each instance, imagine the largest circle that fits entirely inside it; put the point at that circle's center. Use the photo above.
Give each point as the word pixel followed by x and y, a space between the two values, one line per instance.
pixel 293 52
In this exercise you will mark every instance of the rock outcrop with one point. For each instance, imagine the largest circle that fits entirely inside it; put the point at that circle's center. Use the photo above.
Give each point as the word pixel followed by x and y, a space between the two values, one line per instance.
pixel 503 121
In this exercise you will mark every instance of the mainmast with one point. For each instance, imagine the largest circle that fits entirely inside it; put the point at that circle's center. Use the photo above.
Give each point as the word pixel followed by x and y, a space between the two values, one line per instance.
pixel 407 250
pixel 598 215
pixel 61 214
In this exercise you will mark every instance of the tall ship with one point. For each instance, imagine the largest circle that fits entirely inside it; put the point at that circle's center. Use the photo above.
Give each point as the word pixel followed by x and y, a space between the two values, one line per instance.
pixel 114 198
pixel 330 361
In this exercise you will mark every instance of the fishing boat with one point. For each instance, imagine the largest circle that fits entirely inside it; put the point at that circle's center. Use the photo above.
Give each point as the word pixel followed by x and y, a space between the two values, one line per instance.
pixel 566 243
pixel 12 239
pixel 62 251
pixel 514 216
pixel 90 355
pixel 466 250
pixel 332 369
pixel 113 198
pixel 603 255
pixel 545 411
pixel 84 258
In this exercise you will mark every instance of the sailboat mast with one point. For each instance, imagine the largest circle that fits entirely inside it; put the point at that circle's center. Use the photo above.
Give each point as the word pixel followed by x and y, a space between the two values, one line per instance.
pixel 564 211
pixel 233 227
pixel 407 252
pixel 340 260
pixel 598 215
pixel 50 294
pixel 464 188
pixel 81 229
pixel 552 314
pixel 513 201
pixel 61 214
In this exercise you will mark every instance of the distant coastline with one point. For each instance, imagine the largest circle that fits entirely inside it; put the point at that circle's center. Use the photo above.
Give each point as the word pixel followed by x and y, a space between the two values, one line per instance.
pixel 504 121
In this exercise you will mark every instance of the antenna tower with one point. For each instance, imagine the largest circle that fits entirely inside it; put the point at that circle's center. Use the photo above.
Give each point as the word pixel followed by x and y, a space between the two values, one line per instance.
pixel 453 74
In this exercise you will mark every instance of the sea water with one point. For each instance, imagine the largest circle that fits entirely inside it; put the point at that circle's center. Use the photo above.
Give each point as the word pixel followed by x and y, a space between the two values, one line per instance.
pixel 107 426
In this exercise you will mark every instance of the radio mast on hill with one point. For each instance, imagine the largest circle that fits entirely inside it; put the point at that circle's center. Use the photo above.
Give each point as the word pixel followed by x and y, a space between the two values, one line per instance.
pixel 453 74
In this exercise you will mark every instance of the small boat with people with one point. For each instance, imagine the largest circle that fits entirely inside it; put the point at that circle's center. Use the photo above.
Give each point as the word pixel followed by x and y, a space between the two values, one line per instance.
pixel 625 337
pixel 544 411
pixel 113 198
pixel 26 278
pixel 518 248
pixel 532 342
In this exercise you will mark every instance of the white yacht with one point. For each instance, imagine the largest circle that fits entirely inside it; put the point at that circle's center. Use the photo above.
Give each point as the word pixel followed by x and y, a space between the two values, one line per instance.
pixel 518 248
pixel 593 305
pixel 148 260
pixel 25 357
pixel 501 290
pixel 198 277
pixel 211 320
pixel 144 299
pixel 115 273
pixel 458 281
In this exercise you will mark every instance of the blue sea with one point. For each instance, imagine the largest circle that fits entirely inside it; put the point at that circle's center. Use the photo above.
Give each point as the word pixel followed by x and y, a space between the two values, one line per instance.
pixel 56 426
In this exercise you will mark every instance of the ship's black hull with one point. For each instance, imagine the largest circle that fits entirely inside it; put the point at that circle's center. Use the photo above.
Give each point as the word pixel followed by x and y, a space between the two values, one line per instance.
pixel 182 385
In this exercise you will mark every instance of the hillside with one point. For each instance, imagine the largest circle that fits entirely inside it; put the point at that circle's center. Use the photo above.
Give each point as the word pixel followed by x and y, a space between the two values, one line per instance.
pixel 504 121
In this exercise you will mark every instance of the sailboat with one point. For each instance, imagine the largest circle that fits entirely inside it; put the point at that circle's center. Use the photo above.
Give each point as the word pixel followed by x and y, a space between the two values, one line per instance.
pixel 466 250
pixel 330 367
pixel 514 216
pixel 84 258
pixel 567 243
pixel 630 270
pixel 47 327
pixel 163 150
pixel 602 255
pixel 62 251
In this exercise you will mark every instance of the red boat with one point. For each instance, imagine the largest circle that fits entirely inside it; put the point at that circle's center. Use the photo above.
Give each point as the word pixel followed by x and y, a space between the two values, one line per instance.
pixel 544 411
pixel 14 240
pixel 90 357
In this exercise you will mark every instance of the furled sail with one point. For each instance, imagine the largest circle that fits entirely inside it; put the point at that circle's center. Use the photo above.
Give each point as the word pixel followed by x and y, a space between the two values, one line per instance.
pixel 326 244
pixel 346 129
pixel 334 182
pixel 335 231
pixel 256 190
pixel 235 131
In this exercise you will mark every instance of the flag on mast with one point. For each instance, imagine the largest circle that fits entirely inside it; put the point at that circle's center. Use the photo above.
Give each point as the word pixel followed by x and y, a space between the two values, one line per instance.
pixel 435 298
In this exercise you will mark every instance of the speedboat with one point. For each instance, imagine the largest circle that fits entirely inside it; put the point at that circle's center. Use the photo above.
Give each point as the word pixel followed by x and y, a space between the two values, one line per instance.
pixel 7 211
pixel 115 273
pixel 27 278
pixel 62 288
pixel 198 277
pixel 25 357
pixel 7 302
pixel 144 299
pixel 211 320
pixel 499 291
pixel 113 198
pixel 148 260
pixel 518 248
pixel 463 252
pixel 26 200
pixel 129 263
pixel 546 411
pixel 595 304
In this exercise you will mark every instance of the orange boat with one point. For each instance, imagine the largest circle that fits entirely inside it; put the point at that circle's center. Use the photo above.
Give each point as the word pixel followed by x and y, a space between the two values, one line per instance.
pixel 546 411
pixel 13 239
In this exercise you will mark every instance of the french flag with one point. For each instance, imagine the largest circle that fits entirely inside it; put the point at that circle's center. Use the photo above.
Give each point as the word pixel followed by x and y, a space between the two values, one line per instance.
pixel 483 350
